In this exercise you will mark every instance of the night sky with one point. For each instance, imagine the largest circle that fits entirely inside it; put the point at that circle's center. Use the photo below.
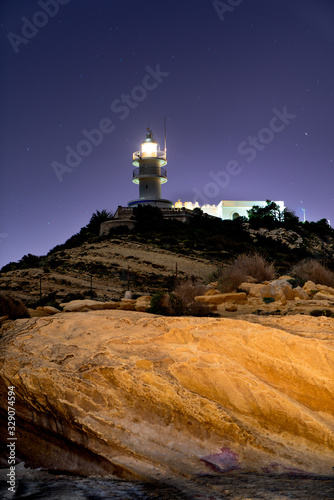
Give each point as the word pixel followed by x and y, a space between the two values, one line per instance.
pixel 246 87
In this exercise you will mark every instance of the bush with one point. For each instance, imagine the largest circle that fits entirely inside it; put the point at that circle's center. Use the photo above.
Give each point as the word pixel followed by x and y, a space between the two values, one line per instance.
pixel 165 304
pixel 246 267
pixel 268 300
pixel 13 308
pixel 322 312
pixel 180 302
pixel 313 270
pixel 186 293
pixel 46 300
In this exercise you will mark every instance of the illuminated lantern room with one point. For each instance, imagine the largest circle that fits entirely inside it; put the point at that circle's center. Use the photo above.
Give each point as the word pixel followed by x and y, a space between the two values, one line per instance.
pixel 149 147
pixel 150 174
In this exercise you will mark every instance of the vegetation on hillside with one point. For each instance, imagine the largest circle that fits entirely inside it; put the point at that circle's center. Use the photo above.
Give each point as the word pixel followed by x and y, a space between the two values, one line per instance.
pixel 204 236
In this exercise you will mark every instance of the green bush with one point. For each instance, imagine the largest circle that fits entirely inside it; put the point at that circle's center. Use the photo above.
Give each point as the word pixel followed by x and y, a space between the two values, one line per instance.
pixel 268 300
pixel 322 312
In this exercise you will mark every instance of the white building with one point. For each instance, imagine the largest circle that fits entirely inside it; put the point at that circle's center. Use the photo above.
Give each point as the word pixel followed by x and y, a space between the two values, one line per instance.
pixel 231 209
pixel 227 209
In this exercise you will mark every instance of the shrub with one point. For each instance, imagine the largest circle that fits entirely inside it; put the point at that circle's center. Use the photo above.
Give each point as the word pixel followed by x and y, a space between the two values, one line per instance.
pixel 46 300
pixel 313 270
pixel 243 268
pixel 158 304
pixel 189 290
pixel 322 312
pixel 165 304
pixel 199 309
pixel 186 293
pixel 180 302
pixel 268 300
pixel 13 308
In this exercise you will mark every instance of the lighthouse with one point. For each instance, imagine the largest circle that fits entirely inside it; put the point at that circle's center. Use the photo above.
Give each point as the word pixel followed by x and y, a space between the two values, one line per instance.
pixel 150 174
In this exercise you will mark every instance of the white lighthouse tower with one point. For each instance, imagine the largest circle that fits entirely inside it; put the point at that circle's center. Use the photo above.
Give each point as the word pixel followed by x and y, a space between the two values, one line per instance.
pixel 150 174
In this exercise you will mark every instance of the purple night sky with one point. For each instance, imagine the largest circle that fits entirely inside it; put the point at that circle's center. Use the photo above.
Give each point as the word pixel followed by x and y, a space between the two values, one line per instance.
pixel 222 73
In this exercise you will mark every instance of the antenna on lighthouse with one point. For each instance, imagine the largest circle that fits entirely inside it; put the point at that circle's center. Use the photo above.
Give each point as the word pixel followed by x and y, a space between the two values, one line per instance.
pixel 165 135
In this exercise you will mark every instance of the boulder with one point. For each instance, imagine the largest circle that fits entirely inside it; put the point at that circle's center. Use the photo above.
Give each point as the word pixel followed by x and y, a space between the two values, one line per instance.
pixel 310 287
pixel 325 289
pixel 48 310
pixel 231 308
pixel 252 289
pixel 149 397
pixel 300 293
pixel 277 290
pixel 33 313
pixel 211 291
pixel 81 305
pixel 323 296
pixel 126 305
pixel 112 304
pixel 220 298
pixel 143 303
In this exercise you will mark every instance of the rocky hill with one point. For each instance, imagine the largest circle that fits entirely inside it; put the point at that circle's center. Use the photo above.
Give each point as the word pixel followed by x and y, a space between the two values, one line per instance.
pixel 108 268
pixel 103 268
pixel 156 253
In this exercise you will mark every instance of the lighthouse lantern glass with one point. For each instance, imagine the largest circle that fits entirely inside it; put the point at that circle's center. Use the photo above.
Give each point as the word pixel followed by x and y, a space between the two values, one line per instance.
pixel 149 149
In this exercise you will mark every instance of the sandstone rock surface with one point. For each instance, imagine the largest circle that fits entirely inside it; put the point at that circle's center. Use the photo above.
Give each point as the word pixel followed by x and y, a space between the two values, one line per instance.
pixel 138 395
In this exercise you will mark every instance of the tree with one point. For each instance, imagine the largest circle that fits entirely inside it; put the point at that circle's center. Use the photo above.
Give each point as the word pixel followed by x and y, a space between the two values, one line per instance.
pixel 267 216
pixel 291 220
pixel 96 220
pixel 270 210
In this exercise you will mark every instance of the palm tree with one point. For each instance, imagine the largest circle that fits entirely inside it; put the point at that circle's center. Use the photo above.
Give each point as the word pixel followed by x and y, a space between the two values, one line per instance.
pixel 96 220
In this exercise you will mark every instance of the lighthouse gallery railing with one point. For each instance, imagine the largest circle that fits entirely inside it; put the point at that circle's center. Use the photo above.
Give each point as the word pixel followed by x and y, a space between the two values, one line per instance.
pixel 145 171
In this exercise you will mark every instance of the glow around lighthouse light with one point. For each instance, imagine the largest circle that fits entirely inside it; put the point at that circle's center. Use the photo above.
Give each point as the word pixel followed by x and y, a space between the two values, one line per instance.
pixel 149 149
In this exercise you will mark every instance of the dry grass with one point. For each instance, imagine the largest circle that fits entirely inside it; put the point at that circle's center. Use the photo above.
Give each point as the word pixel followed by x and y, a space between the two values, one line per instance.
pixel 312 270
pixel 181 301
pixel 246 267
pixel 188 291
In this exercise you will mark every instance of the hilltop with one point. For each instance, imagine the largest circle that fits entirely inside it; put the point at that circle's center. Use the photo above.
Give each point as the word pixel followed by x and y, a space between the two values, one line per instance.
pixel 157 253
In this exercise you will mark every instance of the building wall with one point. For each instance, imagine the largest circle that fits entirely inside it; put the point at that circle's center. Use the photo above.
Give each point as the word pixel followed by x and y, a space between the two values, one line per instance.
pixel 227 209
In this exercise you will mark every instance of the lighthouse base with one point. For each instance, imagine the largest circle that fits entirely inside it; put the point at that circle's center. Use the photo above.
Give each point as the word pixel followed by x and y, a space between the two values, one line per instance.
pixel 160 203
